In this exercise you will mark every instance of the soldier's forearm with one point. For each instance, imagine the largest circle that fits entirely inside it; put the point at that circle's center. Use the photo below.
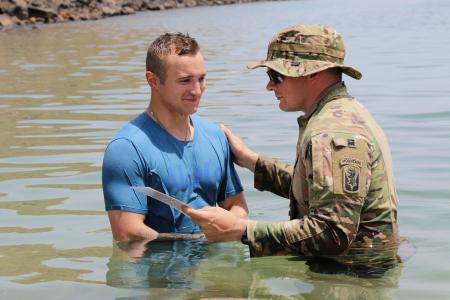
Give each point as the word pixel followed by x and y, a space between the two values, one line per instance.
pixel 307 236
pixel 273 176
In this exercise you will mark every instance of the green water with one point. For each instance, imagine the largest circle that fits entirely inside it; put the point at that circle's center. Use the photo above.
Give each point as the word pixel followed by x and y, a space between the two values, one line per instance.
pixel 66 89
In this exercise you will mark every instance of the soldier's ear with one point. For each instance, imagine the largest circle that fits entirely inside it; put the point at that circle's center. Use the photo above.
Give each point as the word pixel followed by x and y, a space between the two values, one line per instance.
pixel 316 78
pixel 313 76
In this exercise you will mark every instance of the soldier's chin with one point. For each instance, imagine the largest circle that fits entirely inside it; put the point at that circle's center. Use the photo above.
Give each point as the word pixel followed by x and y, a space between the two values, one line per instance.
pixel 283 107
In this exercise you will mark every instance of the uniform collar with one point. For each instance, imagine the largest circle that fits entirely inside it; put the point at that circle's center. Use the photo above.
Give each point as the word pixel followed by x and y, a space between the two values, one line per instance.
pixel 327 95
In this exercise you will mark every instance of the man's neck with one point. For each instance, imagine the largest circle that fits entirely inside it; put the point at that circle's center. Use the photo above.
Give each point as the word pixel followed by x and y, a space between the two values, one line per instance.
pixel 178 125
pixel 319 93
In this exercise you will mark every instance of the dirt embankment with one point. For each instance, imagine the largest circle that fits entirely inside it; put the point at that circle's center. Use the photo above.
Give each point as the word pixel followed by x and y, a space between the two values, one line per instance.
pixel 14 13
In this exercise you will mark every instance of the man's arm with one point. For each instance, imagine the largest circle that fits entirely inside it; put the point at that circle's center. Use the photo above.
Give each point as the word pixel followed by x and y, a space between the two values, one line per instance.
pixel 218 224
pixel 129 226
pixel 335 206
pixel 323 232
pixel 337 171
pixel 329 229
pixel 122 168
pixel 273 176
pixel 237 205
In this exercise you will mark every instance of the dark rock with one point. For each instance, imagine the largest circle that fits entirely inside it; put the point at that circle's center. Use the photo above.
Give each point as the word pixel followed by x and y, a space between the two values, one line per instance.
pixel 85 2
pixel 44 13
pixel 155 7
pixel 16 8
pixel 67 4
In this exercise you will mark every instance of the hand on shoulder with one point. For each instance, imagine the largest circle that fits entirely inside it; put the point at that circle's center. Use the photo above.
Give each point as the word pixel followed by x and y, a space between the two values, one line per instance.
pixel 243 156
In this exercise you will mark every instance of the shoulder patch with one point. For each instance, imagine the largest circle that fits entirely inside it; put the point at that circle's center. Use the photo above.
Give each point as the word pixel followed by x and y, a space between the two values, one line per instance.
pixel 350 167
pixel 350 182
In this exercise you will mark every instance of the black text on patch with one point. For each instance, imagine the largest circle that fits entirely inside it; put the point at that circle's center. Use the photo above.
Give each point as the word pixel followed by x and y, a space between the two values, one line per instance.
pixel 351 161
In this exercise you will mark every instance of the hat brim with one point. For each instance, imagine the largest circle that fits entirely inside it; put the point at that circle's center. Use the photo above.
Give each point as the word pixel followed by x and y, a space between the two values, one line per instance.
pixel 303 68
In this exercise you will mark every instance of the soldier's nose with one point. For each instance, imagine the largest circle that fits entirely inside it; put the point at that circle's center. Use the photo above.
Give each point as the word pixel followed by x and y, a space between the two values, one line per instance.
pixel 270 86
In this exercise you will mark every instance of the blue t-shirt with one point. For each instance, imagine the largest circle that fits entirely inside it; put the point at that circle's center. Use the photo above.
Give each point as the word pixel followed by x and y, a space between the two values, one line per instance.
pixel 199 172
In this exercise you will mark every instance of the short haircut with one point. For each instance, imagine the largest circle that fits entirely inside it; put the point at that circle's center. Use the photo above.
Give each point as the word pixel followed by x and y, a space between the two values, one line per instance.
pixel 166 44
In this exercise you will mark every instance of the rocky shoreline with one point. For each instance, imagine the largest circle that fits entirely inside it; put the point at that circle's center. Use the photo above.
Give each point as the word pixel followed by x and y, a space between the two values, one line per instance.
pixel 16 13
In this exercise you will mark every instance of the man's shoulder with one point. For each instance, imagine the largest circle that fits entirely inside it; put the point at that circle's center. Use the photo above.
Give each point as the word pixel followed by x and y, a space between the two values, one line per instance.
pixel 197 119
pixel 134 133
pixel 339 107
pixel 132 127
pixel 339 115
pixel 207 126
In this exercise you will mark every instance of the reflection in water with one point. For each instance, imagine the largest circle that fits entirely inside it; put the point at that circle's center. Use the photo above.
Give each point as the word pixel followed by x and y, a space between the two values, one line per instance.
pixel 363 261
pixel 158 264
pixel 197 269
pixel 282 277
pixel 65 90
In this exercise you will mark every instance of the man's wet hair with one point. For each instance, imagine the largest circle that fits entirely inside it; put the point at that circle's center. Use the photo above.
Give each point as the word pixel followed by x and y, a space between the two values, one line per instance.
pixel 166 44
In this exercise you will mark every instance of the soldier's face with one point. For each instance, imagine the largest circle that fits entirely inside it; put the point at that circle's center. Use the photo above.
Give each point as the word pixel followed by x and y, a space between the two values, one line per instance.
pixel 292 93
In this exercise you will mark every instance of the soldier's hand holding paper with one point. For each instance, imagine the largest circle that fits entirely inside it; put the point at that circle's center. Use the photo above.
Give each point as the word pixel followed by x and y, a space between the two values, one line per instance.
pixel 217 224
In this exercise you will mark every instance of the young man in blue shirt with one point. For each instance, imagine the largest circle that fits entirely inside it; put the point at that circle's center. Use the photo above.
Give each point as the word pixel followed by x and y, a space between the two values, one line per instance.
pixel 170 148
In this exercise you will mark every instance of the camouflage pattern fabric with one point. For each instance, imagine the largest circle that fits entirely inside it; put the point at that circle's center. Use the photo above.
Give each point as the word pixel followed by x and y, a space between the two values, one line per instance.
pixel 341 188
pixel 302 50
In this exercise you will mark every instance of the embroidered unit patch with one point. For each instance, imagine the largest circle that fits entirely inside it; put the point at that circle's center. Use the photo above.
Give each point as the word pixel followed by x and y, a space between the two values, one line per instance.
pixel 351 179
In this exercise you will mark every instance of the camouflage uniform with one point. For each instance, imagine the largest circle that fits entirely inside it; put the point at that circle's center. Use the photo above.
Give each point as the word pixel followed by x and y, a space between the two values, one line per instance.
pixel 341 188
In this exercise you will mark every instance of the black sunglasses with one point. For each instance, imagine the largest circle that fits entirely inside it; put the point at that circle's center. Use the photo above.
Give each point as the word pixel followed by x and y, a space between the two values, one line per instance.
pixel 274 76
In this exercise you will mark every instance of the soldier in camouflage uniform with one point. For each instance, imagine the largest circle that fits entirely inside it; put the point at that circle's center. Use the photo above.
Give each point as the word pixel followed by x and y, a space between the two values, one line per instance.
pixel 341 187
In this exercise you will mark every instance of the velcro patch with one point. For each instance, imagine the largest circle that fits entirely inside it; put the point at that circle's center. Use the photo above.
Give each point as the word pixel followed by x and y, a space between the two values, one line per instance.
pixel 350 184
pixel 350 167
pixel 351 143
pixel 350 161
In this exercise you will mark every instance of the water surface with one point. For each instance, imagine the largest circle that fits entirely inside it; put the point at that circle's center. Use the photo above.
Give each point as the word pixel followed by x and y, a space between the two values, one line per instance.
pixel 66 89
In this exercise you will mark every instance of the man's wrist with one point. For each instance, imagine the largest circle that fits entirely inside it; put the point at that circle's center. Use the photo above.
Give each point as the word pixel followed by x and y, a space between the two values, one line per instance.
pixel 251 161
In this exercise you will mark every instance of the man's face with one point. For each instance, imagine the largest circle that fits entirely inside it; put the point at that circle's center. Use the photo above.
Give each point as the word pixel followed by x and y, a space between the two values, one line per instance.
pixel 292 93
pixel 184 83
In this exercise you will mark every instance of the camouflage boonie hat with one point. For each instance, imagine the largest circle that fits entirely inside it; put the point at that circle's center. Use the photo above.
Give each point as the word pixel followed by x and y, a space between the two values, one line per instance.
pixel 303 50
